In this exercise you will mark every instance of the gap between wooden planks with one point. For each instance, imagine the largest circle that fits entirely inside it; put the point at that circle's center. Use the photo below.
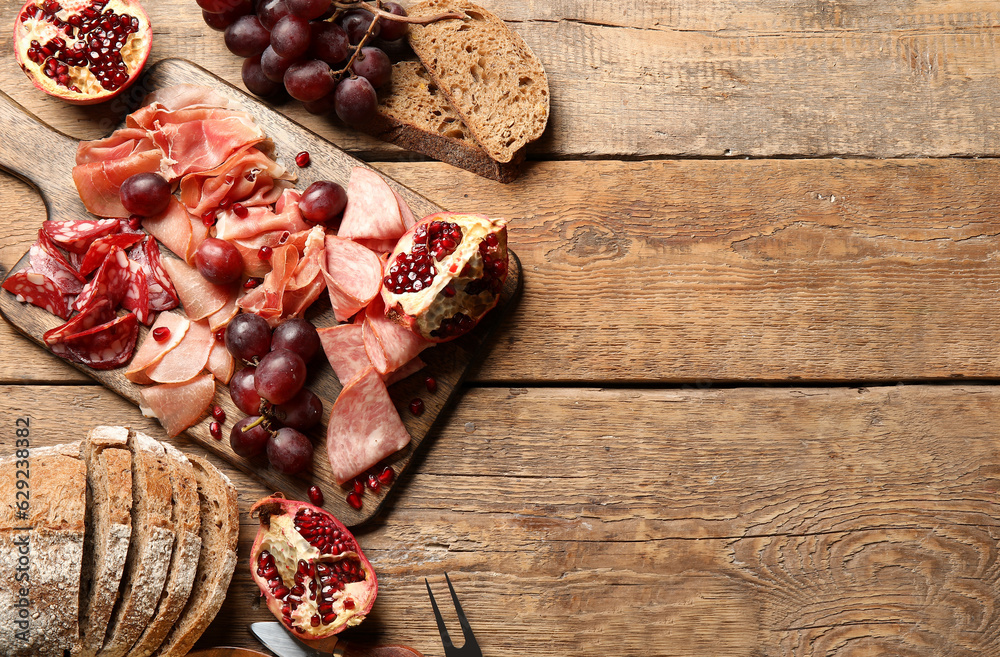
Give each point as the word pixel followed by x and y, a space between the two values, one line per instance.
pixel 740 522
pixel 695 271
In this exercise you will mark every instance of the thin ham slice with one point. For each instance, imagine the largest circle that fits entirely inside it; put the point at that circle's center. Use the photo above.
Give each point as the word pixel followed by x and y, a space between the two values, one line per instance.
pixel 221 363
pixel 249 249
pixel 405 371
pixel 152 351
pixel 199 297
pixel 364 427
pixel 345 349
pixel 249 177
pixel 353 276
pixel 404 211
pixel 187 359
pixel 172 228
pixel 295 302
pixel 261 219
pixel 179 96
pixel 389 345
pixel 372 211
pixel 221 318
pixel 192 145
pixel 378 246
pixel 179 405
pixel 98 182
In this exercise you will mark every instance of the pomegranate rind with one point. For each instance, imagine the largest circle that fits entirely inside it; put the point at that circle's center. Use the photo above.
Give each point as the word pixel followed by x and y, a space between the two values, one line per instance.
pixel 277 535
pixel 424 312
pixel 135 52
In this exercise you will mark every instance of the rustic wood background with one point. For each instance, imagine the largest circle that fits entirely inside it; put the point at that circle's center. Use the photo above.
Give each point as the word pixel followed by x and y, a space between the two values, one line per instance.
pixel 747 405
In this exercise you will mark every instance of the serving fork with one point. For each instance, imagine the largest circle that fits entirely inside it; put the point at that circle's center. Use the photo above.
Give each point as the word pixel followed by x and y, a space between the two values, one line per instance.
pixel 468 649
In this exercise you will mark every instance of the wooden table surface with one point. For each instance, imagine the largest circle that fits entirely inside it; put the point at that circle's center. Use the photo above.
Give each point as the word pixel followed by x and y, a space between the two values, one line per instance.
pixel 748 404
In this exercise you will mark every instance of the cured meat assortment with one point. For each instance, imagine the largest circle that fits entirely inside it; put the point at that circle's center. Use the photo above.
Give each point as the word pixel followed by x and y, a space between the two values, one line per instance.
pixel 226 185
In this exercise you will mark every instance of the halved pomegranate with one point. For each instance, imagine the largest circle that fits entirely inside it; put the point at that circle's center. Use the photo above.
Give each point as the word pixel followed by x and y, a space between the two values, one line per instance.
pixel 309 568
pixel 445 273
pixel 82 51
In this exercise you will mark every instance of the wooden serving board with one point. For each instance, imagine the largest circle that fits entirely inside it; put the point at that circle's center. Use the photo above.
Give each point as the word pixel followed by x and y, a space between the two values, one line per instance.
pixel 44 158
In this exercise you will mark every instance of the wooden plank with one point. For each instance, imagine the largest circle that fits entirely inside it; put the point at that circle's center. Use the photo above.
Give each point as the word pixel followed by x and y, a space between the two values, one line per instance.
pixel 671 77
pixel 680 522
pixel 698 271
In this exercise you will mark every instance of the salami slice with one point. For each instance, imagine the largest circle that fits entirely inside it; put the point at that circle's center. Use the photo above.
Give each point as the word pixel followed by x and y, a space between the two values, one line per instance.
pixel 179 405
pixel 96 313
pixel 77 235
pixel 364 427
pixel 162 293
pixel 136 296
pixel 105 346
pixel 38 290
pixel 46 258
pixel 372 211
pixel 353 276
pixel 101 247
pixel 110 282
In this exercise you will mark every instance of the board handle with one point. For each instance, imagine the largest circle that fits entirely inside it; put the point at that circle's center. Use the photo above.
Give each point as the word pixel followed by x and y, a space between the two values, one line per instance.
pixel 41 156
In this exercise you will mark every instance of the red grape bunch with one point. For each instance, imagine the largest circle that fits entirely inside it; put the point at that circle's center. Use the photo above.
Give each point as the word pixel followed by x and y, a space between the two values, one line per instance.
pixel 316 50
pixel 271 390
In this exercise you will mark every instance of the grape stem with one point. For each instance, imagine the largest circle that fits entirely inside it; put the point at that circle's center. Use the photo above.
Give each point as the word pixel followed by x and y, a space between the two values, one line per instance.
pixel 357 49
pixel 402 19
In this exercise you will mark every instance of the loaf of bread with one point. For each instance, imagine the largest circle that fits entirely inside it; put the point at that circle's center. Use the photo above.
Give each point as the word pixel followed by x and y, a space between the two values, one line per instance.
pixel 487 72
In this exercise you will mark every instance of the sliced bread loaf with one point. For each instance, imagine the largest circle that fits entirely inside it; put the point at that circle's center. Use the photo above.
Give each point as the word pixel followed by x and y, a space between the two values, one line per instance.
pixel 220 528
pixel 109 529
pixel 487 72
pixel 187 550
pixel 150 550
pixel 415 115
pixel 41 552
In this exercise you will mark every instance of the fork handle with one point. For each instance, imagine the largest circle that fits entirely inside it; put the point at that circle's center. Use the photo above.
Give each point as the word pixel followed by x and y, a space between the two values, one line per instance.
pixel 345 649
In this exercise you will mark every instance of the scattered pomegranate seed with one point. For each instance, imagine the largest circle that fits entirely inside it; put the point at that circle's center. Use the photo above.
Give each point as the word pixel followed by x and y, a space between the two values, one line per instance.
pixel 264 253
pixel 431 384
pixel 359 486
pixel 224 203
pixel 220 335
pixel 373 483
pixel 218 413
pixel 135 222
pixel 354 500
pixel 302 159
pixel 417 406
pixel 316 495
pixel 161 334
pixel 240 210
pixel 387 475
pixel 251 284
pixel 216 430
pixel 208 218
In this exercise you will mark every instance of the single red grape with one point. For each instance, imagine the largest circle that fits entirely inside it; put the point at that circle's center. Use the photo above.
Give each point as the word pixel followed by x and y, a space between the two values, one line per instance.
pixel 280 375
pixel 309 80
pixel 251 442
pixel 248 336
pixel 308 9
pixel 256 82
pixel 322 106
pixel 302 412
pixel 145 194
pixel 356 23
pixel 392 30
pixel 290 36
pixel 355 100
pixel 298 335
pixel 274 65
pixel 289 451
pixel 322 202
pixel 221 21
pixel 242 391
pixel 373 65
pixel 218 6
pixel 271 11
pixel 329 42
pixel 246 37
pixel 218 261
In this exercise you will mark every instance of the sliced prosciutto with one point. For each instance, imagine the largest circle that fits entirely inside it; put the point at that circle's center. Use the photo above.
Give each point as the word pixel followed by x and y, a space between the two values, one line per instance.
pixel 372 211
pixel 266 299
pixel 178 96
pixel 295 302
pixel 253 264
pixel 389 345
pixel 187 359
pixel 110 282
pixel 152 351
pixel 221 363
pixel 179 405
pixel 46 259
pixel 101 247
pixel 98 182
pixel 261 219
pixel 102 347
pixel 199 297
pixel 120 144
pixel 77 235
pixel 353 276
pixel 38 290
pixel 249 177
pixel 364 427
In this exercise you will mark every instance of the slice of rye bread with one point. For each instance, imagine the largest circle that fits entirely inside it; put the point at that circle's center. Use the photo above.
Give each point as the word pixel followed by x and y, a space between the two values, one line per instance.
pixel 187 550
pixel 220 528
pixel 151 547
pixel 40 554
pixel 487 72
pixel 415 115
pixel 109 530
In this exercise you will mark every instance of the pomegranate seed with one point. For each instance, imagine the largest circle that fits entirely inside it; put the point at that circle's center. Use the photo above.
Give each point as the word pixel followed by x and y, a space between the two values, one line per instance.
pixel 220 335
pixel 314 621
pixel 134 222
pixel 417 406
pixel 161 334
pixel 431 384
pixel 264 253
pixel 240 210
pixel 387 475
pixel 354 500
pixel 359 486
pixel 251 283
pixel 302 159
pixel 373 483
pixel 348 603
pixel 216 430
pixel 224 203
pixel 316 495
pixel 218 413
pixel 449 289
pixel 208 218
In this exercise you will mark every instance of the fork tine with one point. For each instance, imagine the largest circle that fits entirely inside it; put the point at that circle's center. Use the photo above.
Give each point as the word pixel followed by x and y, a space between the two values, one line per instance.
pixel 471 646
pixel 442 630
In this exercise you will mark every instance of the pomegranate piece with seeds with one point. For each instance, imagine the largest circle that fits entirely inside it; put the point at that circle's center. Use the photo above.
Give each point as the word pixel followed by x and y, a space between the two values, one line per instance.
pixel 445 273
pixel 310 569
pixel 82 51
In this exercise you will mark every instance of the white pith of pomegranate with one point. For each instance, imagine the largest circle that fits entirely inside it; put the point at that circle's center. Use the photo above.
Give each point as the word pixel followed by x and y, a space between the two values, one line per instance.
pixel 445 273
pixel 82 51
pixel 310 569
